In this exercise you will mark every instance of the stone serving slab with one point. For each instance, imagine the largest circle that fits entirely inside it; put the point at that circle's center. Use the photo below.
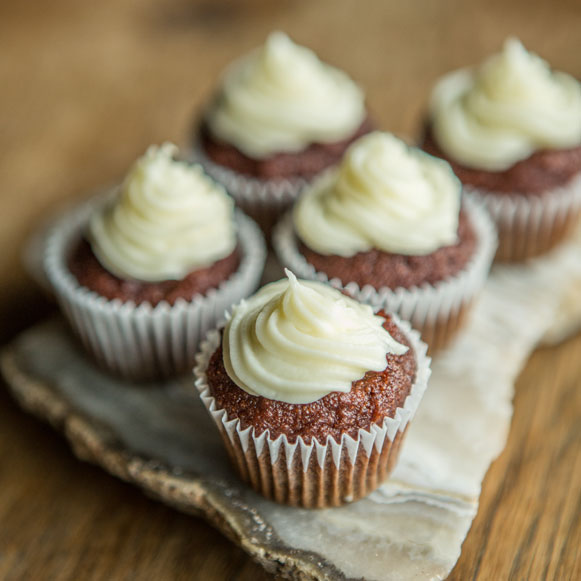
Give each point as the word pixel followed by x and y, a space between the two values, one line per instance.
pixel 159 437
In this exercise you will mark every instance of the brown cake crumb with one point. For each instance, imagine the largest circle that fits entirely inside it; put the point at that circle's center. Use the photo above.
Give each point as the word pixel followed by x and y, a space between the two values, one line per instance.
pixel 542 172
pixel 371 399
pixel 89 272
pixel 384 269
pixel 307 163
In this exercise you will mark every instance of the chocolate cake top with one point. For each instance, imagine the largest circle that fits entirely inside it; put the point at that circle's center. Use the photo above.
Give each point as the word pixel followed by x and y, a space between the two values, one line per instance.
pixel 373 397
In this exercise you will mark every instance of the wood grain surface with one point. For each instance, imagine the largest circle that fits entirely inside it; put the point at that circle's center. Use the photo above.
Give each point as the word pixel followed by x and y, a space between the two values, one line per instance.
pixel 85 87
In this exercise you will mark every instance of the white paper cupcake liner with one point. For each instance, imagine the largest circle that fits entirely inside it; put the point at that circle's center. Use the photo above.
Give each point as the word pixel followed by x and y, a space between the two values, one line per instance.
pixel 263 200
pixel 315 474
pixel 142 341
pixel 435 310
pixel 529 226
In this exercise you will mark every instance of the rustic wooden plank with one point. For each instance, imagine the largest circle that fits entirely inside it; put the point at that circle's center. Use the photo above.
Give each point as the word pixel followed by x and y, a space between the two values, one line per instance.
pixel 528 525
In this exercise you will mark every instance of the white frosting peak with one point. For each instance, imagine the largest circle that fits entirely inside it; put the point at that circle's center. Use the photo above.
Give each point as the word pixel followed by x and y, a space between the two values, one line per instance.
pixel 169 219
pixel 281 98
pixel 384 195
pixel 510 107
pixel 296 341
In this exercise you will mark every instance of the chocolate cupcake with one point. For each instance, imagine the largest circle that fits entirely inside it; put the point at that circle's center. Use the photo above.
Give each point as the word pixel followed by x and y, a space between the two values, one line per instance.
pixel 312 392
pixel 388 227
pixel 143 272
pixel 511 130
pixel 280 117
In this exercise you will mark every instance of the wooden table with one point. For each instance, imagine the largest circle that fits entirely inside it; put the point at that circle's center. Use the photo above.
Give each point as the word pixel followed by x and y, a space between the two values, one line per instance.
pixel 85 87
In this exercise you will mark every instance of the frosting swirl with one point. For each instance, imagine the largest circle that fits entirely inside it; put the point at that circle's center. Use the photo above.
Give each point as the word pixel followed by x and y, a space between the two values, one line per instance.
pixel 281 98
pixel 384 195
pixel 503 112
pixel 169 219
pixel 296 341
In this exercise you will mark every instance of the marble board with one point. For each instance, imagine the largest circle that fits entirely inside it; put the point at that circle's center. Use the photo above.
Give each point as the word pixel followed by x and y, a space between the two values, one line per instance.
pixel 159 438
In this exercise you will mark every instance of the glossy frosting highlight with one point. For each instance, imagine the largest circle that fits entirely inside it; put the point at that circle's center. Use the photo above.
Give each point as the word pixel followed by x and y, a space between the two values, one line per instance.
pixel 384 195
pixel 296 341
pixel 168 220
pixel 281 98
pixel 501 113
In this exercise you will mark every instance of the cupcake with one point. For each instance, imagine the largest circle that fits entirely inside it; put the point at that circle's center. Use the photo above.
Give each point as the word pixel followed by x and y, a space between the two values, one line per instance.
pixel 280 117
pixel 389 228
pixel 143 272
pixel 511 130
pixel 311 391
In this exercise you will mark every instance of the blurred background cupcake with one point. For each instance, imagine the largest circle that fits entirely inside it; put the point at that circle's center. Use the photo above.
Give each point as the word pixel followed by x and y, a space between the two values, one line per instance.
pixel 511 129
pixel 312 392
pixel 279 118
pixel 143 273
pixel 388 227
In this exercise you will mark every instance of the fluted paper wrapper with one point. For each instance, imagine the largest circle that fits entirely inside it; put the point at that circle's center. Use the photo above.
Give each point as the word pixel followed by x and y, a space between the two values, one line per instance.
pixel 265 201
pixel 567 319
pixel 317 474
pixel 530 225
pixel 145 342
pixel 437 311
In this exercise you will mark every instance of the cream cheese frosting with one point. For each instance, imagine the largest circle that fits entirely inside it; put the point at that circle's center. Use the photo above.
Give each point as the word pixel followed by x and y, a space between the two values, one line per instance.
pixel 168 220
pixel 384 195
pixel 281 98
pixel 503 112
pixel 297 341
